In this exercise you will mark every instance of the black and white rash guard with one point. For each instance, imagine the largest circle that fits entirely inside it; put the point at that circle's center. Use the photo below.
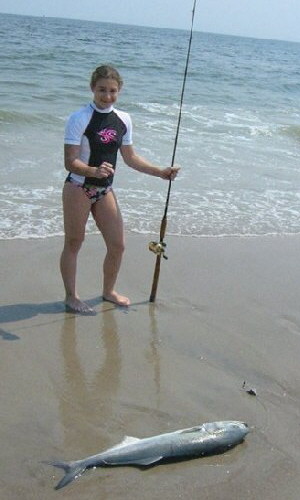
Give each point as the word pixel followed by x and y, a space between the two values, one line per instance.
pixel 99 133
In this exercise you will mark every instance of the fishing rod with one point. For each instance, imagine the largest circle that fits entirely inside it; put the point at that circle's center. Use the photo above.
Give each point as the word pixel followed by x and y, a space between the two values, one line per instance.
pixel 159 247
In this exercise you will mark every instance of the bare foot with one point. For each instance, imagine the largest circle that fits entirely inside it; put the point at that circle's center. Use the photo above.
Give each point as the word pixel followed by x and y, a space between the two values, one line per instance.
pixel 117 299
pixel 77 306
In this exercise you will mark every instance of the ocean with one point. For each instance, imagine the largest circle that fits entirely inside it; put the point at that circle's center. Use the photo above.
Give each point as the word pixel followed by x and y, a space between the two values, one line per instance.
pixel 239 140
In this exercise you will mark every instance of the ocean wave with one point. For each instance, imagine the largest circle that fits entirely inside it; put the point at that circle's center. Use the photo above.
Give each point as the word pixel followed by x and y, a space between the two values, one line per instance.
pixel 292 131
pixel 29 118
pixel 204 223
pixel 158 108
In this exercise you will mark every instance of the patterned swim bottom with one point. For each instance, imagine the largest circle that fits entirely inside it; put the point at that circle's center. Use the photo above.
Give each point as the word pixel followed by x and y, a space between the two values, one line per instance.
pixel 94 193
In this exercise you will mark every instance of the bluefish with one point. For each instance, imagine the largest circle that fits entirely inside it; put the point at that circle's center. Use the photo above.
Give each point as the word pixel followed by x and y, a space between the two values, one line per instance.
pixel 196 441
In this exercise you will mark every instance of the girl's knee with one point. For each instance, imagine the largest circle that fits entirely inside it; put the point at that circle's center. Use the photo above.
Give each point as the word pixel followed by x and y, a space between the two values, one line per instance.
pixel 74 244
pixel 117 248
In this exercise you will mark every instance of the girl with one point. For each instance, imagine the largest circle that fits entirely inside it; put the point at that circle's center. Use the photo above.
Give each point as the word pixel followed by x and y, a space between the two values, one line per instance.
pixel 93 136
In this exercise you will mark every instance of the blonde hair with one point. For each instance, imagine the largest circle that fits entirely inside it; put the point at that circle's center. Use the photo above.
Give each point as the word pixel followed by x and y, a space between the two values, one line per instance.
pixel 106 71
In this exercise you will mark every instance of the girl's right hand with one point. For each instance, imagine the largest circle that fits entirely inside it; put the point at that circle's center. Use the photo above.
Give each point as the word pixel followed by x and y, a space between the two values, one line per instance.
pixel 104 170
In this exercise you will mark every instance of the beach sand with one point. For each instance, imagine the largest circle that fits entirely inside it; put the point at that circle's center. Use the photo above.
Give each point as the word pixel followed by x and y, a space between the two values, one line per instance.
pixel 227 312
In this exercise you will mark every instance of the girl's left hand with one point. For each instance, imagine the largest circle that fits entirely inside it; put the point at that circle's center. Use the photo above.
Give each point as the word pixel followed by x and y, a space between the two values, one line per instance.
pixel 170 173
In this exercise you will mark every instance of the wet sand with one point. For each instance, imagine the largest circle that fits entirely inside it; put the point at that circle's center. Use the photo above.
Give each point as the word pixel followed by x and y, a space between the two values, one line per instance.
pixel 227 311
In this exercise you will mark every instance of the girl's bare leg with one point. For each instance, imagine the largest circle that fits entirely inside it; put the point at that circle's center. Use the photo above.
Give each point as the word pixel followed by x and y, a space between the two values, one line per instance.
pixel 108 218
pixel 76 211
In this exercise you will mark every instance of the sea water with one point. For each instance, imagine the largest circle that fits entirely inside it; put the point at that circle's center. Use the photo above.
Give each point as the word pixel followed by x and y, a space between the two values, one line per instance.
pixel 239 138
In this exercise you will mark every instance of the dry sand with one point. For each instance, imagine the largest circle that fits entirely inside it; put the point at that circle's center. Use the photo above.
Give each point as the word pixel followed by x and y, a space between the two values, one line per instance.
pixel 227 311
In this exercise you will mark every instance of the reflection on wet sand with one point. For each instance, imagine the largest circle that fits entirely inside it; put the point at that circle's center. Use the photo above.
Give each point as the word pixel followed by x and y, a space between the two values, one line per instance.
pixel 95 399
pixel 87 406
pixel 155 354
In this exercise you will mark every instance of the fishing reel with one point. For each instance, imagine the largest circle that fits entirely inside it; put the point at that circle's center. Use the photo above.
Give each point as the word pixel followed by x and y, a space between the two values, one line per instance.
pixel 158 248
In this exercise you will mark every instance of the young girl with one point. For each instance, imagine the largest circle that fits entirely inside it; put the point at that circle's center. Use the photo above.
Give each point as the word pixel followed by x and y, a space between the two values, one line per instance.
pixel 93 136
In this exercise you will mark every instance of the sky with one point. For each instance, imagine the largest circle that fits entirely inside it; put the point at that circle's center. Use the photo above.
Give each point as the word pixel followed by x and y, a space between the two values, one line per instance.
pixel 273 19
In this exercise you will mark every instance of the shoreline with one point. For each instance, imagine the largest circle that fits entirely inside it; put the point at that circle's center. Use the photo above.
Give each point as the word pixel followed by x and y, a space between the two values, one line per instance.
pixel 151 235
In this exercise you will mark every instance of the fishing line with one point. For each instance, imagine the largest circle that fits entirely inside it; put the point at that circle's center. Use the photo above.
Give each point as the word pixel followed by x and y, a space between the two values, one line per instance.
pixel 159 247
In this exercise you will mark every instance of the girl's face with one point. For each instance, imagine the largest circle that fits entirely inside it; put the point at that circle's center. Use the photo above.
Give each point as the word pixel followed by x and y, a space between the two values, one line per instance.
pixel 106 91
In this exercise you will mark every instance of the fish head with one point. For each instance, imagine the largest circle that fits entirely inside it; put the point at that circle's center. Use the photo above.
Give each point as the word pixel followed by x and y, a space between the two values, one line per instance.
pixel 228 427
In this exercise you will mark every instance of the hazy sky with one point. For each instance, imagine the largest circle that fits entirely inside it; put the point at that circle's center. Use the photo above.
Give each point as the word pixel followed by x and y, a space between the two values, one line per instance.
pixel 278 19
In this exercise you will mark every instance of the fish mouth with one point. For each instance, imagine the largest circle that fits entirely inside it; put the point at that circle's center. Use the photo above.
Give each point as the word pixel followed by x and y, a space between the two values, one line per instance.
pixel 247 427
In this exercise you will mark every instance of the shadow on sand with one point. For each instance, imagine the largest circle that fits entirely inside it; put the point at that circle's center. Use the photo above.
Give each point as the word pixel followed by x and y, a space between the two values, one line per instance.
pixel 20 312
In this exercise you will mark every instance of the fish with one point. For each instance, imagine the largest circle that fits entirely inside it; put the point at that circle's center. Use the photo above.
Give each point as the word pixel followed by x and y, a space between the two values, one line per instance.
pixel 205 439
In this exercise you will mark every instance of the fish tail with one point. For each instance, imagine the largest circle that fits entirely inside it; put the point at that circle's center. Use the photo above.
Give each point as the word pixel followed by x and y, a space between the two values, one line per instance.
pixel 72 471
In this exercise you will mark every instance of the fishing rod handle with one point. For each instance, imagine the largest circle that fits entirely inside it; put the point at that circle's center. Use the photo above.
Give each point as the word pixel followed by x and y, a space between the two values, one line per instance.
pixel 155 279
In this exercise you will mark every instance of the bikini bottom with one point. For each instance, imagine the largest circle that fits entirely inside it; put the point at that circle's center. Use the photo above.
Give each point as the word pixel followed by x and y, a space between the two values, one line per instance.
pixel 94 193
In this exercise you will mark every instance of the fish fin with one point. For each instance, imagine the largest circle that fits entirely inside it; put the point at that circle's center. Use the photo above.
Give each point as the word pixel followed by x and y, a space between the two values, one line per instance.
pixel 146 461
pixel 130 440
pixel 127 440
pixel 136 461
pixel 191 429
pixel 72 471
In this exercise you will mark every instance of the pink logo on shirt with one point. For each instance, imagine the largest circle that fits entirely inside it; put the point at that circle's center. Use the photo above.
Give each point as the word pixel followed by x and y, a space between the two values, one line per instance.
pixel 108 135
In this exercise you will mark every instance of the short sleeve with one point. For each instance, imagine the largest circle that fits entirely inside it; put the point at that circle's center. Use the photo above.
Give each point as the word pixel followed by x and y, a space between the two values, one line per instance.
pixel 75 126
pixel 126 119
pixel 127 138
